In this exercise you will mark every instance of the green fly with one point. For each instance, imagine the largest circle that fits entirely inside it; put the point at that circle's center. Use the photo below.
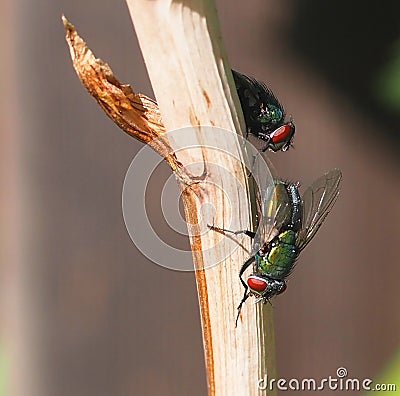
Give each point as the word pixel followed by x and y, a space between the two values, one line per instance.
pixel 288 222
pixel 263 113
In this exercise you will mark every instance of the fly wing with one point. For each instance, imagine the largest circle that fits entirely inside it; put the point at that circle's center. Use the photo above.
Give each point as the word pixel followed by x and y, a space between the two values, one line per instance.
pixel 254 91
pixel 317 202
pixel 275 212
pixel 247 88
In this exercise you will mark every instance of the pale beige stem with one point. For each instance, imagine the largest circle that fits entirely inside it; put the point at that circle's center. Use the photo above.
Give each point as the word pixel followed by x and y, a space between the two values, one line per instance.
pixel 190 75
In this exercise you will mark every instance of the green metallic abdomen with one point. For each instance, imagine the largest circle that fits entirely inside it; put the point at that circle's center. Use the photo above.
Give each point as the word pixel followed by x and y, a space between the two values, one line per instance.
pixel 280 259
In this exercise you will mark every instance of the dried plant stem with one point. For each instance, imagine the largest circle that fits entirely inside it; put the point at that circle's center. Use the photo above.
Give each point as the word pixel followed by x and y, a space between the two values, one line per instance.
pixel 184 55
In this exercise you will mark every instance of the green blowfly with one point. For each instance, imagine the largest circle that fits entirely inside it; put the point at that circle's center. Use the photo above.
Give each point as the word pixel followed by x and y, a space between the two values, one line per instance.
pixel 263 113
pixel 288 222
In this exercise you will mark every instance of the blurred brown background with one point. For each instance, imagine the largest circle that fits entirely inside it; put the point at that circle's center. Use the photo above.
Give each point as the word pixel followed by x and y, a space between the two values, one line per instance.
pixel 78 313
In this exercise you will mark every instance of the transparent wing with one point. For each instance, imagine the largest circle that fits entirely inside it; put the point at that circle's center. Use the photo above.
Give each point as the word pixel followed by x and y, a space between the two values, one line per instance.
pixel 318 200
pixel 275 212
pixel 262 183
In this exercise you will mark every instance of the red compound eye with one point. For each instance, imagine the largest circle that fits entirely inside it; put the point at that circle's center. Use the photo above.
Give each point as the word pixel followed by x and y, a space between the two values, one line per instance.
pixel 283 134
pixel 257 284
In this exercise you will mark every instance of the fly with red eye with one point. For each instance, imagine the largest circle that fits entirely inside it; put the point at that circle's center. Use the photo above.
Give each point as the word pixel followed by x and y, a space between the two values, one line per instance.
pixel 263 114
pixel 285 229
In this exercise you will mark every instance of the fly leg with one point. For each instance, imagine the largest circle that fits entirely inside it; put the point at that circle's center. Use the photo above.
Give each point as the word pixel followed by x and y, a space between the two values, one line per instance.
pixel 250 234
pixel 245 297
pixel 246 265
pixel 267 140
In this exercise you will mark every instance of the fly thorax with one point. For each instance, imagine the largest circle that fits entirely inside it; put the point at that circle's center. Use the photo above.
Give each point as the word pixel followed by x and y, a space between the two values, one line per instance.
pixel 270 114
pixel 281 257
